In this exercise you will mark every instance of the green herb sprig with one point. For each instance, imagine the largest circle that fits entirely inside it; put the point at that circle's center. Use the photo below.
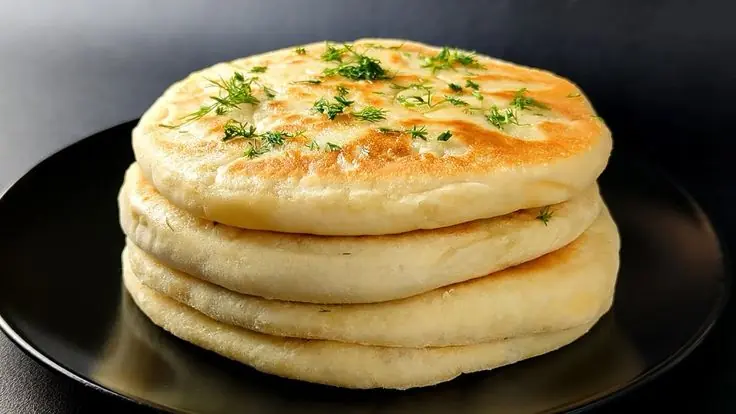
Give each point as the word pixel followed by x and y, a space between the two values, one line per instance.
pixel 234 129
pixel 269 92
pixel 418 132
pixel 255 152
pixel 522 102
pixel 330 147
pixel 508 116
pixel 444 136
pixel 259 143
pixel 359 67
pixel 476 89
pixel 386 130
pixel 415 132
pixel 455 101
pixel 332 53
pixel 414 100
pixel 425 98
pixel 333 109
pixel 447 59
pixel 472 85
pixel 309 82
pixel 237 91
pixel 500 118
pixel 545 214
pixel 370 114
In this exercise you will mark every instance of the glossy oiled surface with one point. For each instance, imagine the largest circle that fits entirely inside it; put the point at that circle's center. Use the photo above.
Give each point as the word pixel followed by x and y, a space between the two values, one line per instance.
pixel 671 285
pixel 346 177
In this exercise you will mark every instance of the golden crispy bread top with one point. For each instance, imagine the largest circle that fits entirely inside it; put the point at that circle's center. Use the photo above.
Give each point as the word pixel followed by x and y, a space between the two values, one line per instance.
pixel 499 115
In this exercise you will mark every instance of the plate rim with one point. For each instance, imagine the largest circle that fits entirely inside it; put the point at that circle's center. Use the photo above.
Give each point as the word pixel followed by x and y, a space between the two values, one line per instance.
pixel 593 401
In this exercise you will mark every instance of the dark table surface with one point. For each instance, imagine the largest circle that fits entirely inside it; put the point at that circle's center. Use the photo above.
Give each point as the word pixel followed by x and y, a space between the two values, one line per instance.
pixel 660 73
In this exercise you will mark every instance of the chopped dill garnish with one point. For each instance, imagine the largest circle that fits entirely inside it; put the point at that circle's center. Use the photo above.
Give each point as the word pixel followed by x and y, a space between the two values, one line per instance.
pixel 522 101
pixel 276 138
pixel 377 46
pixel 259 143
pixel 314 146
pixel 447 58
pixel 300 51
pixel 254 152
pixel 310 81
pixel 360 67
pixel 370 114
pixel 445 136
pixel 414 131
pixel 342 90
pixel 234 129
pixel 258 69
pixel 332 53
pixel 270 93
pixel 544 215
pixel 330 147
pixel 418 132
pixel 237 91
pixel 472 85
pixel 342 100
pixel 166 219
pixel 478 95
pixel 455 87
pixel 500 118
pixel 455 101
pixel 412 101
pixel 332 109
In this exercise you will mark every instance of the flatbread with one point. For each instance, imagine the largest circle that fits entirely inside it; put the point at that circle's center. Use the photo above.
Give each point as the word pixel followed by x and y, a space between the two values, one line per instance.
pixel 569 287
pixel 349 176
pixel 343 269
pixel 336 363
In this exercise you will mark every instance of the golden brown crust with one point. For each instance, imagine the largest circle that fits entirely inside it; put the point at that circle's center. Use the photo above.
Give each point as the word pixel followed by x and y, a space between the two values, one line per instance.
pixel 193 161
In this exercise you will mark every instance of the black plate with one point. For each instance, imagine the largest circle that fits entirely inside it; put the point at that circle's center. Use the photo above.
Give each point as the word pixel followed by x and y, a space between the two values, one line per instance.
pixel 61 301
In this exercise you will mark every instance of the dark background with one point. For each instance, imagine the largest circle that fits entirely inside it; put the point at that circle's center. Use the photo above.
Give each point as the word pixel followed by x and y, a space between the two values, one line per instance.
pixel 661 73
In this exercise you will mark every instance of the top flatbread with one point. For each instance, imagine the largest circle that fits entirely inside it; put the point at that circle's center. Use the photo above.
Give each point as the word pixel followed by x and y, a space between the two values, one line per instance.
pixel 516 148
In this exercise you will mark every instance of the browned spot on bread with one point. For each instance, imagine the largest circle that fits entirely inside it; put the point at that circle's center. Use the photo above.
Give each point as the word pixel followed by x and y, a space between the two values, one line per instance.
pixel 396 58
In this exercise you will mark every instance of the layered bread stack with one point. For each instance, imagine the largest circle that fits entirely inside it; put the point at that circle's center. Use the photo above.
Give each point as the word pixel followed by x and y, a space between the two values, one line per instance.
pixel 381 213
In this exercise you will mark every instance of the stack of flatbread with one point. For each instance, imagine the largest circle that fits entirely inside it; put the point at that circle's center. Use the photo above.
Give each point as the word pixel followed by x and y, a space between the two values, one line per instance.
pixel 378 214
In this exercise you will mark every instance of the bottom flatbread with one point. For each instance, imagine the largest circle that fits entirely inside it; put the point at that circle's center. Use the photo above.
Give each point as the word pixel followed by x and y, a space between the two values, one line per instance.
pixel 335 363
